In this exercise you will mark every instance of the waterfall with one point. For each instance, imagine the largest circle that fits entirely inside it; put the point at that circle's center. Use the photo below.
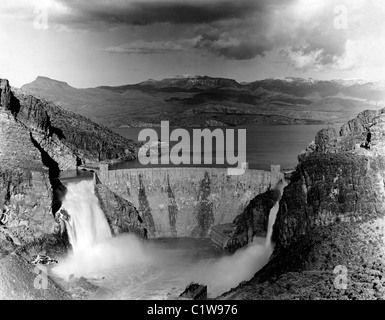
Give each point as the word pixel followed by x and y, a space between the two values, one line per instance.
pixel 272 218
pixel 273 215
pixel 87 224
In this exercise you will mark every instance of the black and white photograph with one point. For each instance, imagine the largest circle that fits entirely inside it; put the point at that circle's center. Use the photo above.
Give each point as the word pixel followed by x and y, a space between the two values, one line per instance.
pixel 192 154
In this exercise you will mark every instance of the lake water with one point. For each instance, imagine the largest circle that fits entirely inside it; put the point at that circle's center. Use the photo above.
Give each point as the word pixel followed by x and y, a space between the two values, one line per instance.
pixel 265 145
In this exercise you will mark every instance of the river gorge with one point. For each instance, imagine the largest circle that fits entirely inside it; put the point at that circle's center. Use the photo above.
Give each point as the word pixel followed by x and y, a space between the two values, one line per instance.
pixel 330 214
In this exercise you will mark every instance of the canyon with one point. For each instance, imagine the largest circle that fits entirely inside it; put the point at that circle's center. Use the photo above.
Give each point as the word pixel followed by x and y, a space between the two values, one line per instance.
pixel 331 215
pixel 39 141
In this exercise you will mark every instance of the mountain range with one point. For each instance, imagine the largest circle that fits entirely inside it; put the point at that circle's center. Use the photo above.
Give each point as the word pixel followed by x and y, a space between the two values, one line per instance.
pixel 206 101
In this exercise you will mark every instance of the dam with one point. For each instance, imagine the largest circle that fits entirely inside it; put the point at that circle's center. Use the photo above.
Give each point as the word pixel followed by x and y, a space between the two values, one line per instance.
pixel 179 252
pixel 187 202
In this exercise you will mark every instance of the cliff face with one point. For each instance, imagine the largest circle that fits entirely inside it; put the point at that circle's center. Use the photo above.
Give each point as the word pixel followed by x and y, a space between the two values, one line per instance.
pixel 254 220
pixel 121 215
pixel 5 94
pixel 328 189
pixel 331 218
pixel 25 189
pixel 68 138
pixel 25 202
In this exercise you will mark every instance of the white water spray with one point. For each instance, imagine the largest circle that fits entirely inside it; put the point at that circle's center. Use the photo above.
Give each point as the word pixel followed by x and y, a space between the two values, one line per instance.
pixel 94 252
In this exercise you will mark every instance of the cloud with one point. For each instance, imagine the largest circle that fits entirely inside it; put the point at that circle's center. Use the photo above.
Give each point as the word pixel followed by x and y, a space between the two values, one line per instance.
pixel 146 12
pixel 233 46
pixel 302 31
pixel 303 59
pixel 154 47
pixel 231 29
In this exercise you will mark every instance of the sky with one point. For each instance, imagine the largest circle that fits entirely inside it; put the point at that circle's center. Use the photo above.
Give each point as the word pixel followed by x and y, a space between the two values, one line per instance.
pixel 90 43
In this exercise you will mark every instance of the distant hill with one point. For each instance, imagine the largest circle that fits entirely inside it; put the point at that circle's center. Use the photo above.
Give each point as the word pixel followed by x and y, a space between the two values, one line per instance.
pixel 204 101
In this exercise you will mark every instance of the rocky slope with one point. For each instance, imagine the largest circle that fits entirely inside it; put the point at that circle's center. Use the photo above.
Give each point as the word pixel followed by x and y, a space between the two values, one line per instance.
pixel 68 136
pixel 331 218
pixel 19 281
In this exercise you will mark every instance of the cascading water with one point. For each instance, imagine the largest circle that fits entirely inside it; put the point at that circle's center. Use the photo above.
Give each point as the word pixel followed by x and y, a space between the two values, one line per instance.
pixel 87 224
pixel 95 253
pixel 273 215
pixel 133 269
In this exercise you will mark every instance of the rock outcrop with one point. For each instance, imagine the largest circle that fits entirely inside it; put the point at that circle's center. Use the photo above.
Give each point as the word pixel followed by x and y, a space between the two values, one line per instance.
pixel 330 225
pixel 25 202
pixel 5 94
pixel 121 215
pixel 254 220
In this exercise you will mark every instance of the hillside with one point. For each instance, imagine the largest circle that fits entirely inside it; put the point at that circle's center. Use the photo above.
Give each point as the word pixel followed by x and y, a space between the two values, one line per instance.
pixel 207 101
pixel 68 138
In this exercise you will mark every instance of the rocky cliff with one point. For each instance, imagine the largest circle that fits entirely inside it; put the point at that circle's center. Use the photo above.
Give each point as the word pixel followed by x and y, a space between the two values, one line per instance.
pixel 37 140
pixel 121 215
pixel 68 138
pixel 254 220
pixel 329 231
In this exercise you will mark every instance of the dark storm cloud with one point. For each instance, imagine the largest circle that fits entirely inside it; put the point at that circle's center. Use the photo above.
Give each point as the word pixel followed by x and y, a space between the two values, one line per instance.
pixel 233 29
pixel 228 28
pixel 162 11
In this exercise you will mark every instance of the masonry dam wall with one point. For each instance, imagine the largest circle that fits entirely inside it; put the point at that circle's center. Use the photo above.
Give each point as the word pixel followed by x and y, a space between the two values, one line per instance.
pixel 187 202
